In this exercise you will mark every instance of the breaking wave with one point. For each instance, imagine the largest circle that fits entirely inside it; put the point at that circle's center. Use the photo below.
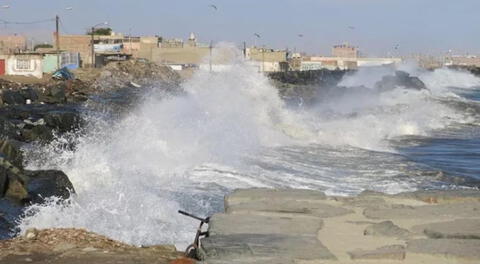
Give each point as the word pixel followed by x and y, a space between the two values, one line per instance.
pixel 227 130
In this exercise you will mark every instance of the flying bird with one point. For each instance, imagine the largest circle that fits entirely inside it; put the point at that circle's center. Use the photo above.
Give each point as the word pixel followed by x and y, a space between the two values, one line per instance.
pixel 257 35
pixel 214 7
pixel 351 27
pixel 5 6
pixel 397 46
pixel 68 8
pixel 300 35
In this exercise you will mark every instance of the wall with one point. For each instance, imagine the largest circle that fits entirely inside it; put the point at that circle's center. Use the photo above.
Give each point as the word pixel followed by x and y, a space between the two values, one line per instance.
pixel 80 44
pixel 12 43
pixel 32 63
pixel 269 55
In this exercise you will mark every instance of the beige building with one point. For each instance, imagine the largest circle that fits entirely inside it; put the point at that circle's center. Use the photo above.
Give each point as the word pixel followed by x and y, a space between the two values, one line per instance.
pixel 267 60
pixel 10 44
pixel 344 51
pixel 462 61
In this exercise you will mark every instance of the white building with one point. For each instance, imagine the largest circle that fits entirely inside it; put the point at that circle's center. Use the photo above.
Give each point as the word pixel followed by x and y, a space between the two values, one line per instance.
pixel 25 64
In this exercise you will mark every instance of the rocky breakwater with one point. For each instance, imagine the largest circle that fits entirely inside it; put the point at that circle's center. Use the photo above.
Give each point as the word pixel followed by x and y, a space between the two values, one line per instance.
pixel 37 111
pixel 302 226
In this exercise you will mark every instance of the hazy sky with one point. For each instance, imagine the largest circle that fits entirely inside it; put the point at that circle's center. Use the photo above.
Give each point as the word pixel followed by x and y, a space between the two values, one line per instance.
pixel 376 26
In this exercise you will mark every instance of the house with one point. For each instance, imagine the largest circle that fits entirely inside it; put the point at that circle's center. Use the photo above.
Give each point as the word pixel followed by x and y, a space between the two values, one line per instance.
pixel 12 43
pixel 26 64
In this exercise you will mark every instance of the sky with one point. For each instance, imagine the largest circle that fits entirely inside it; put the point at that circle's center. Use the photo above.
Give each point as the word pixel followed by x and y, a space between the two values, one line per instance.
pixel 313 26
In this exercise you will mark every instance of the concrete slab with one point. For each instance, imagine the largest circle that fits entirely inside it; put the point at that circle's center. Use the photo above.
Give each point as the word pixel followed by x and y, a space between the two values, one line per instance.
pixel 392 252
pixel 460 228
pixel 386 228
pixel 225 224
pixel 289 207
pixel 458 248
pixel 438 211
pixel 288 247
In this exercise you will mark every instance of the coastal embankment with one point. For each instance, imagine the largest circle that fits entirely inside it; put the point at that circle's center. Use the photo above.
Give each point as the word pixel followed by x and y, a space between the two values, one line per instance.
pixel 37 111
pixel 304 226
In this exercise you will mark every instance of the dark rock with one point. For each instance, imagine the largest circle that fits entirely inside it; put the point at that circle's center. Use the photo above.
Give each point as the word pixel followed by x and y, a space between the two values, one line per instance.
pixel 3 180
pixel 44 184
pixel 62 120
pixel 29 93
pixel 12 97
pixel 38 133
pixel 400 79
pixel 11 149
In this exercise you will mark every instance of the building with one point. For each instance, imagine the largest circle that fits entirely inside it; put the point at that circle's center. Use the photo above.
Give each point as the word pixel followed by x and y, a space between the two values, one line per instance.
pixel 462 61
pixel 10 44
pixel 50 63
pixel 26 64
pixel 267 60
pixel 344 51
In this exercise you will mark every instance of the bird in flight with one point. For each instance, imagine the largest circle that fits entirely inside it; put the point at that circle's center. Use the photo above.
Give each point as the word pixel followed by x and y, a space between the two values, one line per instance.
pixel 214 7
pixel 68 8
pixel 256 35
pixel 5 6
pixel 351 27
pixel 300 35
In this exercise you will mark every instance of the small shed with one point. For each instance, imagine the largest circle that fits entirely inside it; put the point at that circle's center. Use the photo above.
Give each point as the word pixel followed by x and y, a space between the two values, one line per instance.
pixel 26 64
pixel 71 60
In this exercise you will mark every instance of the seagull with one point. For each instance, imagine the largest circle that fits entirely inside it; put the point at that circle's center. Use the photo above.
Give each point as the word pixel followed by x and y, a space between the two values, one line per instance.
pixel 351 27
pixel 5 6
pixel 68 8
pixel 397 46
pixel 214 7
pixel 300 35
pixel 256 35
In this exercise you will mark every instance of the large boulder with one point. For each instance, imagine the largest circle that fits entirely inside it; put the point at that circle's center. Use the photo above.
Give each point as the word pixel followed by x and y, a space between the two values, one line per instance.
pixel 400 79
pixel 11 97
pixel 47 183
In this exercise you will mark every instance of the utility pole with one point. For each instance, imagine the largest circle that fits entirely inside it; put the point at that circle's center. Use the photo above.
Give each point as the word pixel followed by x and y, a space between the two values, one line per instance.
pixel 210 58
pixel 93 48
pixel 245 50
pixel 57 40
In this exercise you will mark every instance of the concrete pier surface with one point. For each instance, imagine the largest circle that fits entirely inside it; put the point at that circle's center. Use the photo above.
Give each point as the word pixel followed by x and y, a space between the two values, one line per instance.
pixel 303 226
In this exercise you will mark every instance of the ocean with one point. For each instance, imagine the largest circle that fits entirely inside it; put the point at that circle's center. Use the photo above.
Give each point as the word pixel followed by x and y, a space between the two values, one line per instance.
pixel 133 170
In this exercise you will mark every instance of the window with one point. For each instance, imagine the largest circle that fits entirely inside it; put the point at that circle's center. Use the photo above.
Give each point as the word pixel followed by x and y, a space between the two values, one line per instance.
pixel 23 64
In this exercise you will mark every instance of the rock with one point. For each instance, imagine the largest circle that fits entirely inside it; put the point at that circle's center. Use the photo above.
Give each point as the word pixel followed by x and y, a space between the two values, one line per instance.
pixel 3 180
pixel 29 93
pixel 393 252
pixel 458 248
pixel 37 133
pixel 386 228
pixel 47 183
pixel 11 97
pixel 288 248
pixel 16 190
pixel 11 149
pixel 31 234
pixel 226 224
pixel 62 120
pixel 400 79
pixel 460 228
